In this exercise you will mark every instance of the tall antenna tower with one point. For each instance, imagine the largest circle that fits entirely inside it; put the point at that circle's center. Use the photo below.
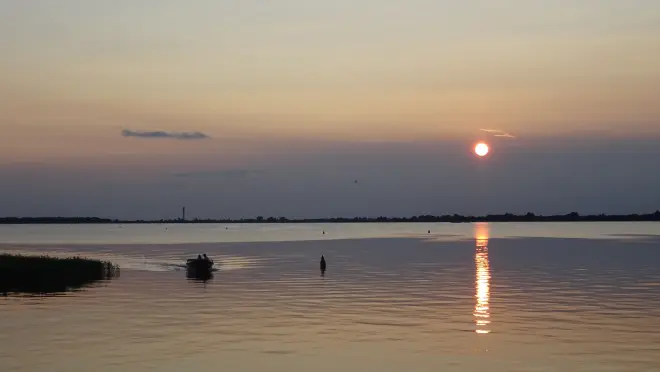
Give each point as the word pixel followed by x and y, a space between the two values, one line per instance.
pixel 183 214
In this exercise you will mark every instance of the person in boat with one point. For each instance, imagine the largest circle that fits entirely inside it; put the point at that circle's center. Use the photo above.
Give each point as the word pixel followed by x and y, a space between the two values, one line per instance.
pixel 199 256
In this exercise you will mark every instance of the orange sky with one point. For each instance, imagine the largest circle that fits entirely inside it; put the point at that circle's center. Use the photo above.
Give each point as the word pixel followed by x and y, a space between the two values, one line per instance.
pixel 74 74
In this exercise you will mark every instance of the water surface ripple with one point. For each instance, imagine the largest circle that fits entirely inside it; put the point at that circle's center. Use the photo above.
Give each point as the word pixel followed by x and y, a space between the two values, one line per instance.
pixel 397 304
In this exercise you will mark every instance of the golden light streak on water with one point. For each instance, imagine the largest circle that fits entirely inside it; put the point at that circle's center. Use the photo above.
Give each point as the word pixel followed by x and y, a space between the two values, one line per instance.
pixel 482 281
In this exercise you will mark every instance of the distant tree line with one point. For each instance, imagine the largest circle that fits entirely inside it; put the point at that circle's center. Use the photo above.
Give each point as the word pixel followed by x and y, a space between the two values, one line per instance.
pixel 455 218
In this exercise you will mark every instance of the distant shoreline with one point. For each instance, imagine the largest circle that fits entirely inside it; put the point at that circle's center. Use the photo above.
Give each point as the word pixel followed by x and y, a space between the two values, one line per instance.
pixel 508 217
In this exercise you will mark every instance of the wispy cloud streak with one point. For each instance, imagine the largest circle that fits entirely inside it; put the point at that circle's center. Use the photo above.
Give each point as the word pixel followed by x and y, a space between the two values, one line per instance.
pixel 498 133
pixel 164 135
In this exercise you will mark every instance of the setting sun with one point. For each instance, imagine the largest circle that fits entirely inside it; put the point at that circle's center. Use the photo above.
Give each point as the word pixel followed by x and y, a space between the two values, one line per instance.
pixel 481 149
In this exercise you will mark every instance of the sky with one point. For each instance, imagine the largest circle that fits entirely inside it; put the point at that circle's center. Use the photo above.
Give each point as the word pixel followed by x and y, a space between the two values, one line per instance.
pixel 132 109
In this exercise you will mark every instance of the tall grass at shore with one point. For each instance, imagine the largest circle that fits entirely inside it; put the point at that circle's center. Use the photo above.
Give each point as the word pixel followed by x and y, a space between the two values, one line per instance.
pixel 44 274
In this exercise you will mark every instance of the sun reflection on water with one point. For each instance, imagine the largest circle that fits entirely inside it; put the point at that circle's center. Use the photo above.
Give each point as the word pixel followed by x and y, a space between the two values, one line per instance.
pixel 482 281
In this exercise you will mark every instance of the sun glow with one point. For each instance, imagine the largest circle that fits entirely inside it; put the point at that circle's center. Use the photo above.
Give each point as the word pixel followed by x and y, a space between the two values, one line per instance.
pixel 481 149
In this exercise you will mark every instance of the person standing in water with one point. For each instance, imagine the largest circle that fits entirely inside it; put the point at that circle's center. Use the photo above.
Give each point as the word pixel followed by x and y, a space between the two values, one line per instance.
pixel 323 264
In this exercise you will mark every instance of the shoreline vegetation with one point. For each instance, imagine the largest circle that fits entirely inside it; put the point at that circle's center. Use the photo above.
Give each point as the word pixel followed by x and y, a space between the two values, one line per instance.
pixel 455 218
pixel 48 275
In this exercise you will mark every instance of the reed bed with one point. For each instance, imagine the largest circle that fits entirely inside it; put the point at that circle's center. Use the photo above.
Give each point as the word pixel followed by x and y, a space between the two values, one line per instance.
pixel 44 274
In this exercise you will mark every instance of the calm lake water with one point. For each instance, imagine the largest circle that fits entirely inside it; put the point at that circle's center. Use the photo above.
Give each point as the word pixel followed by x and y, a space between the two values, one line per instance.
pixel 466 297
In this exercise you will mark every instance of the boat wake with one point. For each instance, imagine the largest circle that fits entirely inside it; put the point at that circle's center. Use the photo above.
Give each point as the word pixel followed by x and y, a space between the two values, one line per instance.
pixel 141 261
pixel 222 263
pixel 182 267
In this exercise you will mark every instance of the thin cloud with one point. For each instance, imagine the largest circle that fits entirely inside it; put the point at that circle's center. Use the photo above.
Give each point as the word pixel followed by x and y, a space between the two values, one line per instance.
pixel 229 173
pixel 498 133
pixel 165 135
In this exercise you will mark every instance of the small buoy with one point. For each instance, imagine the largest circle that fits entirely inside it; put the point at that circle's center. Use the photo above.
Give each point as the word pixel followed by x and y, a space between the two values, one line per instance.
pixel 429 231
pixel 323 232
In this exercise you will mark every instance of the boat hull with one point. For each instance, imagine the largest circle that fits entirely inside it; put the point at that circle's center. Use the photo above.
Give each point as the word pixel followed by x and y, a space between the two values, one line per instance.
pixel 200 265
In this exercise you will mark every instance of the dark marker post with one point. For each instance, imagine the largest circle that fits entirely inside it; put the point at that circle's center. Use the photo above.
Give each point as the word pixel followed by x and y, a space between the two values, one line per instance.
pixel 323 265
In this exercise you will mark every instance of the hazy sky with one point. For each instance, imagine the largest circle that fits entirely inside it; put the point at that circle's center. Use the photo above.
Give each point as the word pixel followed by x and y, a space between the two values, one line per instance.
pixel 133 108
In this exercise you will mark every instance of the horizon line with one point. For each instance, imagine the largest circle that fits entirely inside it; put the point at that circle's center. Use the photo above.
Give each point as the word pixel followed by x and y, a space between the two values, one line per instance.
pixel 506 217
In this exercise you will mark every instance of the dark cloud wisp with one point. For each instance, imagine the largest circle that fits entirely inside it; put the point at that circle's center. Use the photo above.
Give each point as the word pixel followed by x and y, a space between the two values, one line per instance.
pixel 163 134
pixel 230 173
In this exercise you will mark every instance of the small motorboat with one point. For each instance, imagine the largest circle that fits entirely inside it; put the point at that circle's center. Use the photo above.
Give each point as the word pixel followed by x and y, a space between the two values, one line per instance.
pixel 200 265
